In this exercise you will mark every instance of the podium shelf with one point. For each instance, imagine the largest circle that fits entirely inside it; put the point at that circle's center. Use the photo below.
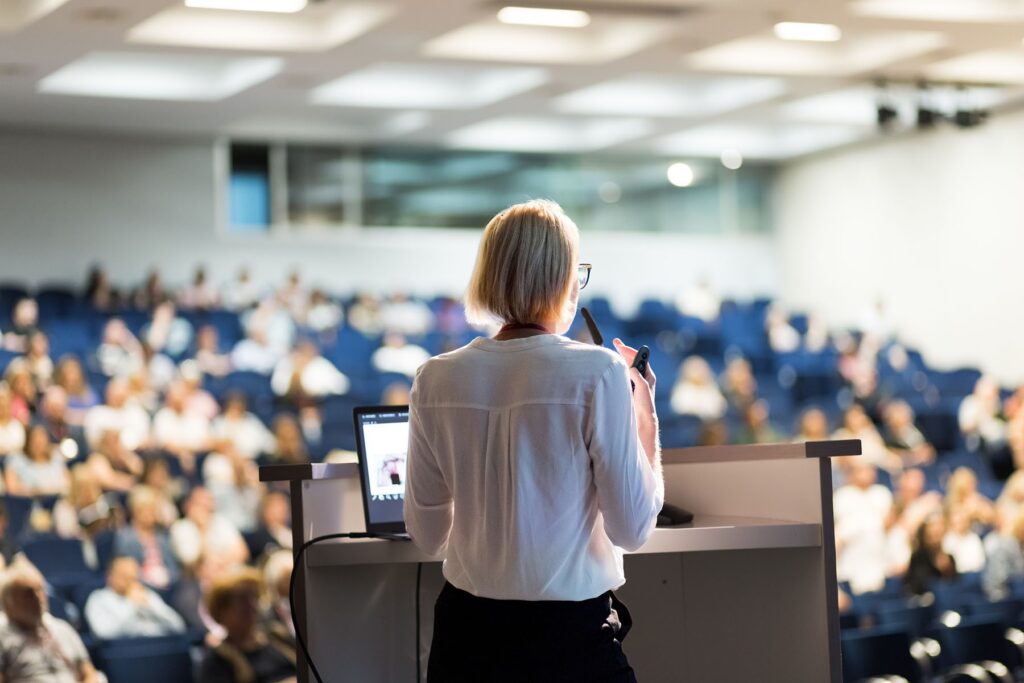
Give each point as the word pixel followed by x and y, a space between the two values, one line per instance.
pixel 706 533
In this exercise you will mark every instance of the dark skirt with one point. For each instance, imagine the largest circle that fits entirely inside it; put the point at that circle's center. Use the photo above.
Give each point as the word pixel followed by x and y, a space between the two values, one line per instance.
pixel 505 641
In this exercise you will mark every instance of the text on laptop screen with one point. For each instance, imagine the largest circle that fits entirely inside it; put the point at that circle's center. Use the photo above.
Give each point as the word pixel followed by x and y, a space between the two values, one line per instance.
pixel 385 445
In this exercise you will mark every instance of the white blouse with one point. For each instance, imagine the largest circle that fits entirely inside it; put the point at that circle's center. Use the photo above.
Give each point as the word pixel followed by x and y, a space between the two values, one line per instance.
pixel 525 464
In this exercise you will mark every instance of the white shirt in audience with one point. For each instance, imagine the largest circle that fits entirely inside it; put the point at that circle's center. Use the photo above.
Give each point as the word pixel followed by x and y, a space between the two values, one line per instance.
pixel 860 529
pixel 182 430
pixel 704 401
pixel 248 434
pixel 251 356
pixel 12 437
pixel 967 551
pixel 404 359
pixel 318 378
pixel 411 318
pixel 131 420
pixel 111 615
pixel 188 542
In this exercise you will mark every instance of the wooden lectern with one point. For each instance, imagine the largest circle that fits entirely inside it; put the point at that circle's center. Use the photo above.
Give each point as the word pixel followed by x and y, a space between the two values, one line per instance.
pixel 747 592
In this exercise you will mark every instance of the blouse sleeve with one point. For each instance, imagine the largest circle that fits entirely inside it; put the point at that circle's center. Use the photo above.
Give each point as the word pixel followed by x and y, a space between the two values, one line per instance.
pixel 629 493
pixel 428 500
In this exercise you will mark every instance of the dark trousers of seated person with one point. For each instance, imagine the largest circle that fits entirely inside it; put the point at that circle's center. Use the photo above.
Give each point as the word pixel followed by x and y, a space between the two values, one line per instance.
pixel 505 641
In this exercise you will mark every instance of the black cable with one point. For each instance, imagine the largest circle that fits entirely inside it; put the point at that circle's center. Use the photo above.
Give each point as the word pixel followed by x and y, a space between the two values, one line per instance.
pixel 419 575
pixel 298 567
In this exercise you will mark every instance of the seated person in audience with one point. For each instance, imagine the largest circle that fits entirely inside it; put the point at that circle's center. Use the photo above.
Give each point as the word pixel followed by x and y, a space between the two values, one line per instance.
pixel 929 562
pixel 365 315
pixel 294 296
pixel 395 394
pixel 450 320
pixel 197 399
pixel 274 530
pixel 289 445
pixel 119 353
pixel 81 396
pixel 1011 500
pixel 911 503
pixel 277 573
pixel 156 474
pixel 200 295
pixel 115 467
pixel 756 428
pixel 273 322
pixel 12 430
pixel 249 653
pixel 203 532
pixel 397 355
pixel 304 376
pixel 1004 556
pixel 178 431
pixel 7 548
pixel 857 425
pixel 85 511
pixel 1015 439
pixel 146 541
pixel 782 337
pixel 962 494
pixel 153 378
pixel 323 316
pixel 861 509
pixel 903 437
pixel 151 292
pixel 695 391
pixel 699 301
pixel 167 332
pixel 406 316
pixel 208 355
pixel 36 647
pixel 813 426
pixel 118 413
pixel 98 291
pixel 52 415
pixel 981 418
pixel 37 355
pixel 816 339
pixel 127 609
pixel 739 384
pixel 255 354
pixel 714 433
pixel 24 323
pixel 244 431
pixel 23 390
pixel 40 471
pixel 963 544
pixel 234 483
pixel 241 293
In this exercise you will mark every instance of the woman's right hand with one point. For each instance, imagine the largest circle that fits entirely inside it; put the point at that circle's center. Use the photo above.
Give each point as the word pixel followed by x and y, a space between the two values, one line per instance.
pixel 643 402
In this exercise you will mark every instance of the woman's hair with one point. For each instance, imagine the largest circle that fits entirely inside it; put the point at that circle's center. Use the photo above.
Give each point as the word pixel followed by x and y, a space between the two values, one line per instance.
pixel 229 586
pixel 526 265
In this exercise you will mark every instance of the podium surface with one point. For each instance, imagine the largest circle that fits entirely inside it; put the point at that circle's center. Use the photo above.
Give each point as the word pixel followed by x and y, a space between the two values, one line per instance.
pixel 747 591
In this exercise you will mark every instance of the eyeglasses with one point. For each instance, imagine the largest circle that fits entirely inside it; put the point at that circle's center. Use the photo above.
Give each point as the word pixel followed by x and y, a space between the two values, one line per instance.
pixel 584 274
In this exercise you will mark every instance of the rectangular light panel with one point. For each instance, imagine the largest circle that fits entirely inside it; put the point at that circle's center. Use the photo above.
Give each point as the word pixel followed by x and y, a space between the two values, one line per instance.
pixel 427 86
pixel 147 76
pixel 547 134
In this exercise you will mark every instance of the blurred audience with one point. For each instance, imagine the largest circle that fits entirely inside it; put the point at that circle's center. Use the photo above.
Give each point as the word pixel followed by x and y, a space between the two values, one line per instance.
pixel 146 541
pixel 40 470
pixel 929 561
pixel 126 608
pixel 695 391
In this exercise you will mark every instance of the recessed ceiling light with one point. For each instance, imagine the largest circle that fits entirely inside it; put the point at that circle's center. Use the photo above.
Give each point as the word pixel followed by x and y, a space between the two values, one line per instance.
pixel 732 159
pixel 543 16
pixel 816 33
pixel 680 174
pixel 280 6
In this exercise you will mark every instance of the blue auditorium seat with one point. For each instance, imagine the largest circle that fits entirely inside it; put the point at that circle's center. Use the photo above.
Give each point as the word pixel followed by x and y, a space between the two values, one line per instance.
pixel 56 302
pixel 18 511
pixel 973 640
pixel 5 359
pixel 878 651
pixel 914 619
pixel 61 560
pixel 153 660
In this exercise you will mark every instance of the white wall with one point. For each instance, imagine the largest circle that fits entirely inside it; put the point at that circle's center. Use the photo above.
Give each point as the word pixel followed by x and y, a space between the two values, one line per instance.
pixel 932 224
pixel 68 201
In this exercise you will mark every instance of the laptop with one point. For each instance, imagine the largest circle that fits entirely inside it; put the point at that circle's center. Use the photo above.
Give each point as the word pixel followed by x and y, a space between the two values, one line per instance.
pixel 382 442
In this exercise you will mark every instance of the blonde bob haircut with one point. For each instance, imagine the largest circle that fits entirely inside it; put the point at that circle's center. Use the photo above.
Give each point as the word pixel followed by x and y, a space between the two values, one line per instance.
pixel 526 265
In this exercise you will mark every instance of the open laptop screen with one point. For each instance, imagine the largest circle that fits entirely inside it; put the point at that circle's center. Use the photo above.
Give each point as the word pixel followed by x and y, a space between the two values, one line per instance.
pixel 382 441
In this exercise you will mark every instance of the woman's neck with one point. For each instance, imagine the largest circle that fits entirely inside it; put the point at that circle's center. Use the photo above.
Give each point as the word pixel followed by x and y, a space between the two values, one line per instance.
pixel 520 330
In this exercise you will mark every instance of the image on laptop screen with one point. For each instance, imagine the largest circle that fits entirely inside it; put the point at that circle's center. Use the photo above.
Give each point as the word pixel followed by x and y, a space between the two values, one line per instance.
pixel 382 438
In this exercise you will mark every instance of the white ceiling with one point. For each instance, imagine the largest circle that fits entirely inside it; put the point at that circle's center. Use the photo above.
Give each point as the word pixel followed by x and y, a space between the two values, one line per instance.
pixel 672 77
